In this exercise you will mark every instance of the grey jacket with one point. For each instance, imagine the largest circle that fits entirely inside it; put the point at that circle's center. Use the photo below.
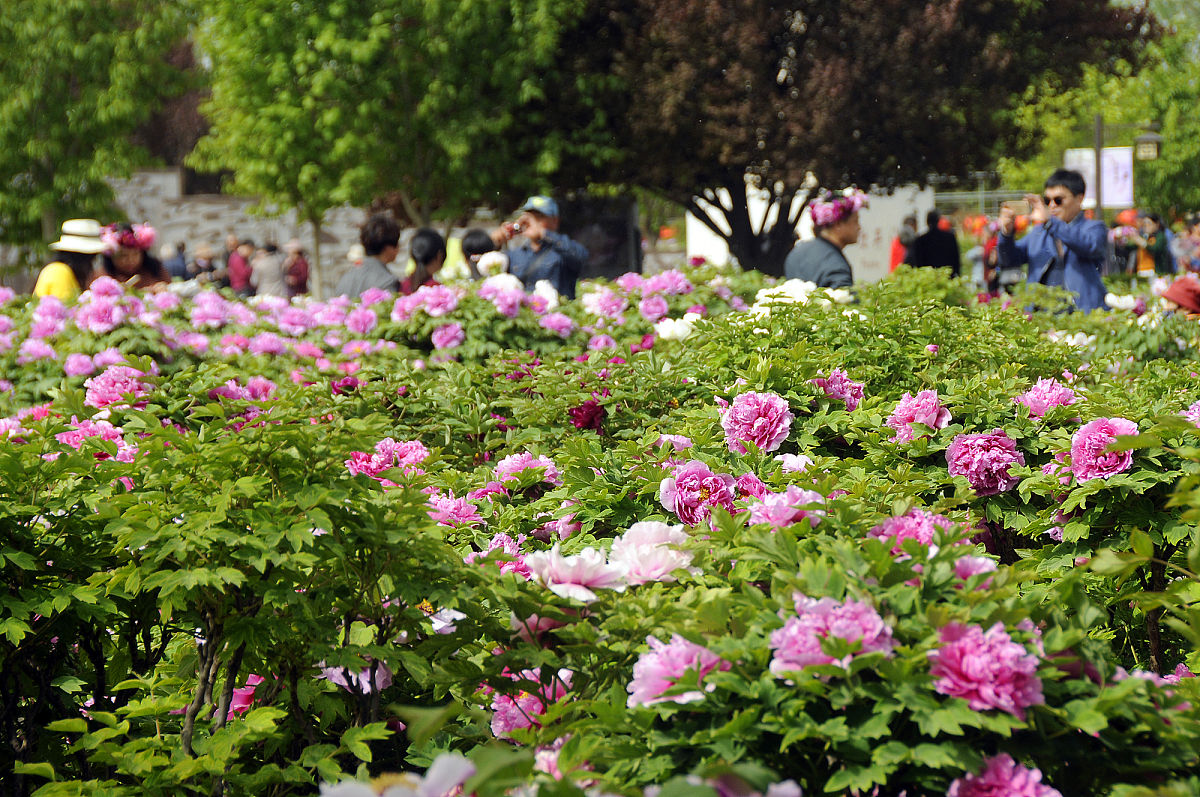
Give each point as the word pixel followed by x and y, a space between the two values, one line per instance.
pixel 819 261
pixel 370 274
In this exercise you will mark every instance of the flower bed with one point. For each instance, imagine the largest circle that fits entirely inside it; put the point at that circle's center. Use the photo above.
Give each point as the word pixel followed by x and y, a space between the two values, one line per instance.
pixel 690 534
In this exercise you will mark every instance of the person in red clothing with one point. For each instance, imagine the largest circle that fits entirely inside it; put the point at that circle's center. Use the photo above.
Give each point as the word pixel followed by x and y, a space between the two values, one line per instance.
pixel 428 251
pixel 903 242
pixel 295 268
pixel 237 270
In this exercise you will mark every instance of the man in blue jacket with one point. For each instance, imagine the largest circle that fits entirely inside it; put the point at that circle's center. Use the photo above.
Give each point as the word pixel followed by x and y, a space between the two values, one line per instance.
pixel 1064 248
pixel 547 253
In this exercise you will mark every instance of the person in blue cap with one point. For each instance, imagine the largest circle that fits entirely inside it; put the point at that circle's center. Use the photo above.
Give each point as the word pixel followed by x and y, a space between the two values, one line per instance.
pixel 546 254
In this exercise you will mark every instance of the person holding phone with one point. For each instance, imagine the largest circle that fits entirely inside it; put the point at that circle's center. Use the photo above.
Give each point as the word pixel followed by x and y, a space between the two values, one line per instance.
pixel 547 253
pixel 1064 248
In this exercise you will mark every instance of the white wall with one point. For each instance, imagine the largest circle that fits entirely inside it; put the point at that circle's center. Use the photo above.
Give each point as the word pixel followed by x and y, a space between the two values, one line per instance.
pixel 869 257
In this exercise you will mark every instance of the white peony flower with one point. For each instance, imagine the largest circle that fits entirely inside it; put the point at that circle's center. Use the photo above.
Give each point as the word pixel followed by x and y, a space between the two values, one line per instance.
pixel 548 292
pixel 1119 302
pixel 677 328
pixel 790 291
pixel 503 282
pixel 492 263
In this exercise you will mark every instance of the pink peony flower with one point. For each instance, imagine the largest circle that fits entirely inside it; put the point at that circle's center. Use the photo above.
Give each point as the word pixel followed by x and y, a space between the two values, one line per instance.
pixel 630 281
pixel 986 668
pixel 760 418
pixel 798 644
pixel 268 343
pixel 558 323
pixel 78 365
pixel 515 713
pixel 210 310
pixel 671 283
pixel 1089 460
pixel 243 697
pixel 653 308
pixel 1046 393
pixel 448 336
pixel 916 524
pixel 650 551
pixel 985 460
pixel 34 349
pixel 575 577
pixel 658 670
pixel 693 490
pixel 107 357
pixel 113 385
pixel 923 408
pixel 508 468
pixel 99 315
pixel 749 486
pixel 783 509
pixel 447 510
pixel 597 342
pixel 405 455
pixel 1002 777
pixel 604 302
pixel 361 320
pixel 840 387
pixel 438 300
pixel 677 442
pixel 374 296
pixel 508 302
pixel 509 547
pixel 968 566
pixel 1192 413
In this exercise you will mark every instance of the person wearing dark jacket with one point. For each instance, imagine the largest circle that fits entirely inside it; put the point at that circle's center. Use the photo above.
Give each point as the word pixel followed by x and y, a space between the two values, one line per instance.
pixel 936 248
pixel 820 259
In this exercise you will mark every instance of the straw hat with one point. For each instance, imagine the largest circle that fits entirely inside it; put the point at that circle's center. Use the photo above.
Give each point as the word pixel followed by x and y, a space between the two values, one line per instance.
pixel 80 235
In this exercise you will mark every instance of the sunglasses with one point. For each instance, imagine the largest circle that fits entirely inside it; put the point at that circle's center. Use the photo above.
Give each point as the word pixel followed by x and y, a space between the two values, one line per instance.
pixel 1054 200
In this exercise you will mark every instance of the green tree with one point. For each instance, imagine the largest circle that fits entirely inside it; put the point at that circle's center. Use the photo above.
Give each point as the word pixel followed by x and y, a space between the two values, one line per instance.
pixel 1166 90
pixel 710 101
pixel 76 79
pixel 318 103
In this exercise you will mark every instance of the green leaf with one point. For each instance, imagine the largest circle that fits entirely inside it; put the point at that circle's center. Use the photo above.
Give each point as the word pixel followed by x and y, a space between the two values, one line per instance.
pixel 74 725
pixel 1141 543
pixel 39 769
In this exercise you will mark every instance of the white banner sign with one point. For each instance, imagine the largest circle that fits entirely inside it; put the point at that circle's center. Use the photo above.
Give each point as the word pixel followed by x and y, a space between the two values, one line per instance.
pixel 1116 164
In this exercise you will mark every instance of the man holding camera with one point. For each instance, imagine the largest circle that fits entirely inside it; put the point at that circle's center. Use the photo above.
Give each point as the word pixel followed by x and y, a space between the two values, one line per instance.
pixel 547 254
pixel 1065 248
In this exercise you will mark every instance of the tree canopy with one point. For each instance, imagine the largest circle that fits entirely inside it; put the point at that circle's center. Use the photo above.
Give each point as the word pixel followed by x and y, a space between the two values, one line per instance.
pixel 749 94
pixel 76 80
pixel 316 103
pixel 1164 92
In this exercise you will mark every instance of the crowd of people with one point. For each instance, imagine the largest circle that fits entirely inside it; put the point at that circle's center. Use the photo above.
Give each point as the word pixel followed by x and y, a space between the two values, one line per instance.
pixel 542 256
pixel 86 251
pixel 531 248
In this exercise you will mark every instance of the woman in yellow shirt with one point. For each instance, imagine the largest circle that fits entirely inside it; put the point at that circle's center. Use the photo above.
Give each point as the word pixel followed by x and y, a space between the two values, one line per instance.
pixel 78 246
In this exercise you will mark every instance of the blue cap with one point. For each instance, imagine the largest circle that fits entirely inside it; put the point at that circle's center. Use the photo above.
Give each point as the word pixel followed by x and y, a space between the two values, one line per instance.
pixel 540 204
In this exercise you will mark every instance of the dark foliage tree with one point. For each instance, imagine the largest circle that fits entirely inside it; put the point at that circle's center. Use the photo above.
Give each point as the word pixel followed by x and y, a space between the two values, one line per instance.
pixel 705 101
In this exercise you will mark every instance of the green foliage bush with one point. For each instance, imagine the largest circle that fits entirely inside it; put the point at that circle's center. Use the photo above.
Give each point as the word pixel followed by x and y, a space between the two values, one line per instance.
pixel 144 591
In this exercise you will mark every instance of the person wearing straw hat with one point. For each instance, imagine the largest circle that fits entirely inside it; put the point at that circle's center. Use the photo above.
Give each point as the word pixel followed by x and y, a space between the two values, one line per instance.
pixel 77 248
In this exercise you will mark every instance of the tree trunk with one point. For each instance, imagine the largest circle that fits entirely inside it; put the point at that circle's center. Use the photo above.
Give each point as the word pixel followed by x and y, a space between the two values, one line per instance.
pixel 760 247
pixel 315 287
